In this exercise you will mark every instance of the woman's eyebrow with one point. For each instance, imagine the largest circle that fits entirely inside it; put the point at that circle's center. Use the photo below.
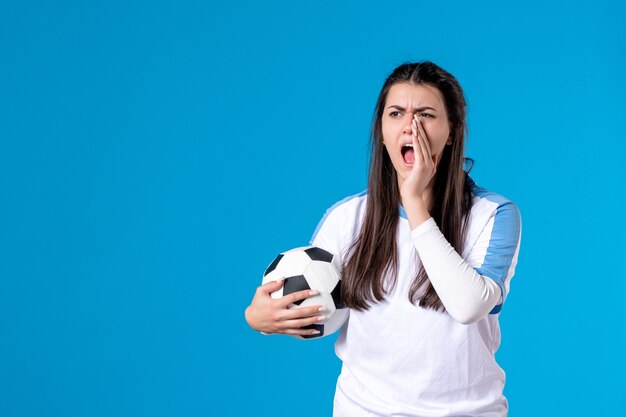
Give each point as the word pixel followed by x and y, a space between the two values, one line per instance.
pixel 415 110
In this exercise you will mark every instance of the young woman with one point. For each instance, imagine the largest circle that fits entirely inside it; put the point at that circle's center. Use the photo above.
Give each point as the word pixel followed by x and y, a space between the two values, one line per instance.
pixel 427 255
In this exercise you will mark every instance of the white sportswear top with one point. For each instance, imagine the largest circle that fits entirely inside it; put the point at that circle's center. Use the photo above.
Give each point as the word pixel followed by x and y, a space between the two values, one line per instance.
pixel 400 359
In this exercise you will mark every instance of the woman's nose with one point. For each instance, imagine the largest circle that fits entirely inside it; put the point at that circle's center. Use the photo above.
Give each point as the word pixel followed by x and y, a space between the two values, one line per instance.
pixel 407 129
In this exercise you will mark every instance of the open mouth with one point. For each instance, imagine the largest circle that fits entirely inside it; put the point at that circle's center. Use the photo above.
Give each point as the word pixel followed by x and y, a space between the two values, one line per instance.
pixel 408 154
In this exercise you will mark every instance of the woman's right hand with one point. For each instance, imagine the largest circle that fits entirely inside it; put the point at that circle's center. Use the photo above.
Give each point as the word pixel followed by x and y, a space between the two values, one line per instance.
pixel 268 315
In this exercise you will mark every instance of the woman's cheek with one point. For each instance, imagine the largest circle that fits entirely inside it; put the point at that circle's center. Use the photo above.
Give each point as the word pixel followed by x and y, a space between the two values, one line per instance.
pixel 435 136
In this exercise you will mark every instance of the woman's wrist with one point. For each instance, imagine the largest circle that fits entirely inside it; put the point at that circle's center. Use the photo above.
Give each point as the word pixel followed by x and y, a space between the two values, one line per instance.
pixel 416 211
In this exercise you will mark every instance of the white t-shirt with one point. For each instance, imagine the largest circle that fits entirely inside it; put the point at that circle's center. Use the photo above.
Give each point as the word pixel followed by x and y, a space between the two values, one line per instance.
pixel 400 359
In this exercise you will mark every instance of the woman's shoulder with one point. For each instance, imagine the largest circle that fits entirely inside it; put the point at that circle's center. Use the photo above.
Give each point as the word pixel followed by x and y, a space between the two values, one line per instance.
pixel 489 206
pixel 351 204
pixel 488 200
pixel 341 218
pixel 354 199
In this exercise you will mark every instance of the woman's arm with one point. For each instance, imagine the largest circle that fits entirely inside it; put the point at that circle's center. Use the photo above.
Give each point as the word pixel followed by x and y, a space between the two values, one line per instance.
pixel 467 294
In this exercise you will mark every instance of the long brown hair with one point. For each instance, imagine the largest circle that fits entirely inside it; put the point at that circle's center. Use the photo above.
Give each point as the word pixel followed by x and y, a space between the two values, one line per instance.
pixel 374 254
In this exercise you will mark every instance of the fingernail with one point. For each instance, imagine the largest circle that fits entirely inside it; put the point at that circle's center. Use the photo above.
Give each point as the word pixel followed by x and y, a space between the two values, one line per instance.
pixel 321 318
pixel 315 332
pixel 314 292
pixel 321 308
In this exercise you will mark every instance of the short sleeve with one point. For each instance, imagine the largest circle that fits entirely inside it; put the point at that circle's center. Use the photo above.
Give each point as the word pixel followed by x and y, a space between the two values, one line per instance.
pixel 336 230
pixel 327 233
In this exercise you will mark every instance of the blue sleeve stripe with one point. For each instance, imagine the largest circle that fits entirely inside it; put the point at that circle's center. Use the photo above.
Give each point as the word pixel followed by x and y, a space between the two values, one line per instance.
pixel 334 206
pixel 496 309
pixel 502 245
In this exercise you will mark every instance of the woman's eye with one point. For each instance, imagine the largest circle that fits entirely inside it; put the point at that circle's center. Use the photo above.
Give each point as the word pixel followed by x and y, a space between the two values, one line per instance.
pixel 394 113
pixel 426 115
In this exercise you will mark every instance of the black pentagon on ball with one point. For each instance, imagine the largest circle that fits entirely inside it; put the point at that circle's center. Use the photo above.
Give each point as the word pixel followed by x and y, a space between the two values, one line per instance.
pixel 318 254
pixel 273 264
pixel 336 294
pixel 318 327
pixel 295 284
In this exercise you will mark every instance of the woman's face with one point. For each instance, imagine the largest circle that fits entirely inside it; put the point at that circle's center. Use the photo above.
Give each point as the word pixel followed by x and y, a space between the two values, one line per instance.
pixel 403 101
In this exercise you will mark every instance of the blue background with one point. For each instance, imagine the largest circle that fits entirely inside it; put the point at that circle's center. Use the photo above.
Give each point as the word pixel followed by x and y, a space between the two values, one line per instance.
pixel 155 157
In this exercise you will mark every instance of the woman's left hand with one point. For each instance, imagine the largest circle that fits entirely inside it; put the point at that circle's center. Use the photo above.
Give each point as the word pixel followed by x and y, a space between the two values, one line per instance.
pixel 424 165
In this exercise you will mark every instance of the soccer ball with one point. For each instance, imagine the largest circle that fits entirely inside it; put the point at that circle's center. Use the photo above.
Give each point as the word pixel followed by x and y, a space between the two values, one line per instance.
pixel 310 267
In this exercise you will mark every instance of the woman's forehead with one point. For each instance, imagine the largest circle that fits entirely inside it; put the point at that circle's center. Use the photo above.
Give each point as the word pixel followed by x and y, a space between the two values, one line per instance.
pixel 414 95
